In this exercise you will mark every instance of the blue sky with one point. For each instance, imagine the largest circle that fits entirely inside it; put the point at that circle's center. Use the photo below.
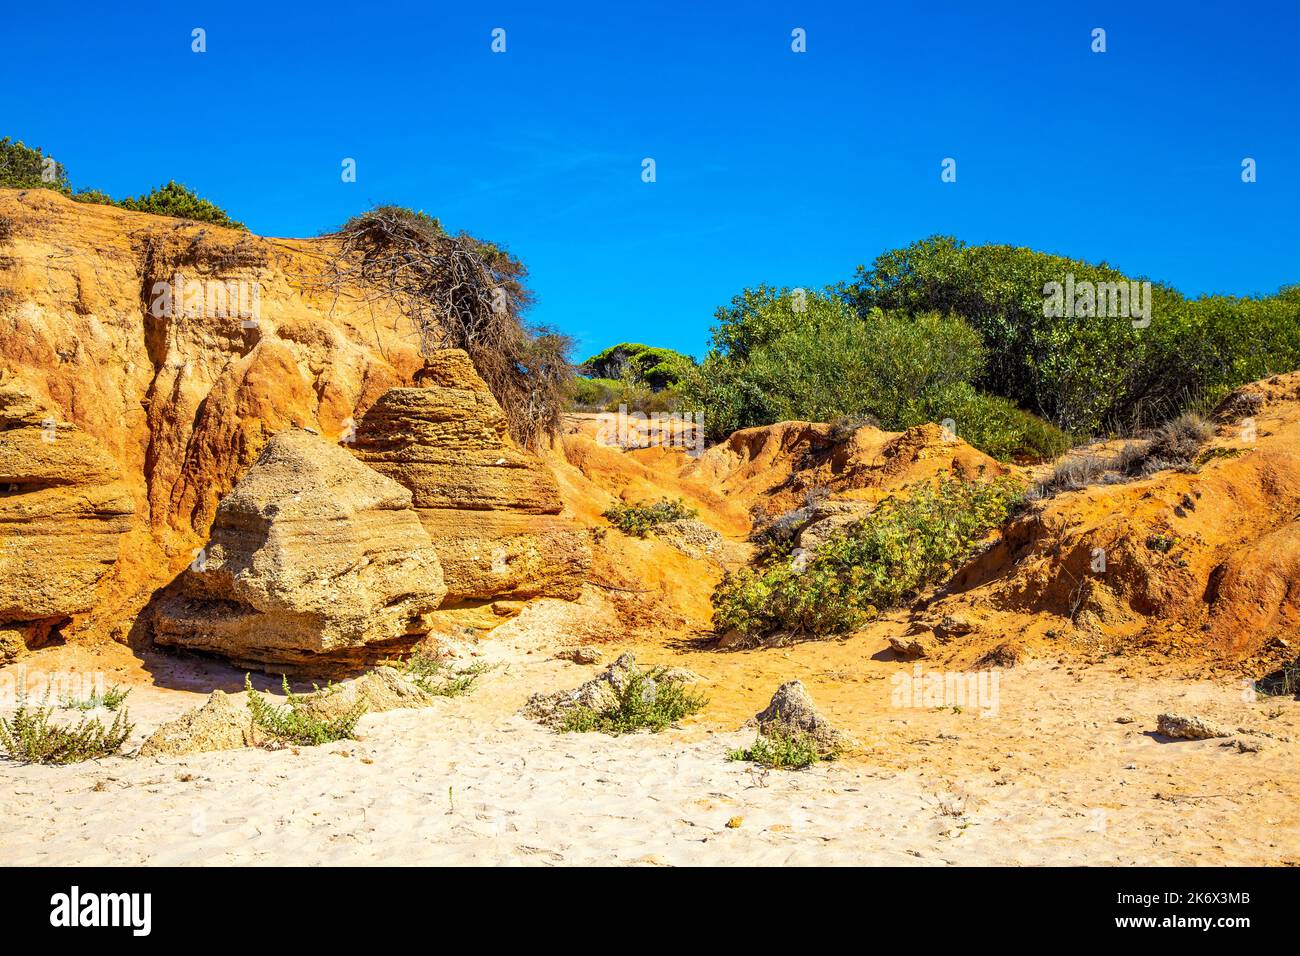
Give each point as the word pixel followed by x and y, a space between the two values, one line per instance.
pixel 772 166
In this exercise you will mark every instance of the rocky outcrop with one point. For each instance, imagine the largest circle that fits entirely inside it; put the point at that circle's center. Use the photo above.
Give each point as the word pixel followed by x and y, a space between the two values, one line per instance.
pixel 314 560
pixel 63 511
pixel 184 401
pixel 492 511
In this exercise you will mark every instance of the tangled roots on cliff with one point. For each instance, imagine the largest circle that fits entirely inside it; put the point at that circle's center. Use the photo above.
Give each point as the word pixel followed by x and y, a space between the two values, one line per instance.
pixel 461 292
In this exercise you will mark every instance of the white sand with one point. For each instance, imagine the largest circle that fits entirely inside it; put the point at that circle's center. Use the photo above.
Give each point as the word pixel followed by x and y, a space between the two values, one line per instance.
pixel 467 781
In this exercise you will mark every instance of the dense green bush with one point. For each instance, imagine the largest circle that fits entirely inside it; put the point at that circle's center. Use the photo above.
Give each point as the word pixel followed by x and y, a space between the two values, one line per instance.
pixel 904 545
pixel 1085 374
pixel 22 167
pixel 781 751
pixel 779 355
pixel 658 368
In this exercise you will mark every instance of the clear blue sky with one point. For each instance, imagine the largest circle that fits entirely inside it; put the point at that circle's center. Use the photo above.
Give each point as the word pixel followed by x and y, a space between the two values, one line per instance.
pixel 772 166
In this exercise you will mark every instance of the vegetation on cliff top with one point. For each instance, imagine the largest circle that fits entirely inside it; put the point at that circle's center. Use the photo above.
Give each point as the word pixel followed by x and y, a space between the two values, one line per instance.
pixel 22 167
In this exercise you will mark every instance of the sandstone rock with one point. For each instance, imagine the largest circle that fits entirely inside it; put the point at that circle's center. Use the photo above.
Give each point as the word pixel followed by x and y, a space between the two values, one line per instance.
pixel 691 536
pixel 492 511
pixel 792 713
pixel 219 724
pixel 829 518
pixel 1181 727
pixel 63 511
pixel 914 644
pixel 314 560
pixel 375 692
pixel 580 655
pixel 598 693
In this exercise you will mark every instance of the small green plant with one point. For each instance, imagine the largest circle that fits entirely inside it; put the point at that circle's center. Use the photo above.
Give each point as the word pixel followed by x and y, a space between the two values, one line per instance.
pixel 294 722
pixel 646 701
pixel 781 751
pixel 1283 682
pixel 1164 543
pixel 111 699
pixel 1215 454
pixel 642 518
pixel 29 737
pixel 438 677
pixel 904 545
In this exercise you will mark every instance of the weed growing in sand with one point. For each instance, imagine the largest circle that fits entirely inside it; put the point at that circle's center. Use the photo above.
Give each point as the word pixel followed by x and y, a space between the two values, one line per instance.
pixel 642 518
pixel 886 558
pixel 1283 682
pixel 780 751
pixel 294 722
pixel 29 737
pixel 111 699
pixel 647 701
pixel 438 677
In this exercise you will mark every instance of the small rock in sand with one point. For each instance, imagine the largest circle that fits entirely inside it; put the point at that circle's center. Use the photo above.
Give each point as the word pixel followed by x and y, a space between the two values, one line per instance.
pixel 792 713
pixel 1181 727
pixel 217 725
pixel 580 655
pixel 914 645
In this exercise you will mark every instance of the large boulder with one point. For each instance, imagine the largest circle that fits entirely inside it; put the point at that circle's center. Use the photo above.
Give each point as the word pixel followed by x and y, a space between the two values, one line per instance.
pixel 314 560
pixel 492 510
pixel 63 511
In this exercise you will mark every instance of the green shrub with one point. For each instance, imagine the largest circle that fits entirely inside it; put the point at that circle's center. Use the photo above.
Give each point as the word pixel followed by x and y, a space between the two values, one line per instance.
pixel 640 519
pixel 653 367
pixel 180 202
pixel 294 723
pixel 437 677
pixel 1087 374
pixel 904 545
pixel 111 699
pixel 29 737
pixel 647 701
pixel 22 167
pixel 780 751
pixel 779 356
pixel 608 395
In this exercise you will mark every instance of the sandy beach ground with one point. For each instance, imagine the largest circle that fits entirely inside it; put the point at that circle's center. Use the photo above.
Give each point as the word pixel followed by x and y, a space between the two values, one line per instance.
pixel 1068 770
